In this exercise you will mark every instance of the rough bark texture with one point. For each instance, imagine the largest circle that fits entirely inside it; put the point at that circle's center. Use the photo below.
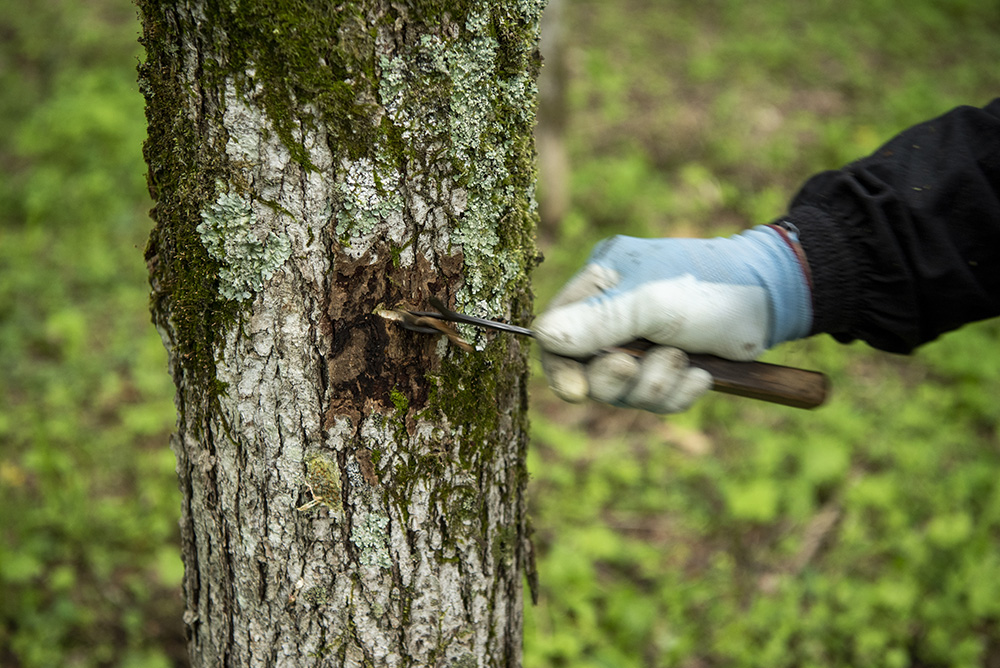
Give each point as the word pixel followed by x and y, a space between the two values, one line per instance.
pixel 353 493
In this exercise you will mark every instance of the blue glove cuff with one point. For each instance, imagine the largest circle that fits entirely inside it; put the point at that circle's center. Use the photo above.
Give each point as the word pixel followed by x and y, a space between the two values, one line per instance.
pixel 779 269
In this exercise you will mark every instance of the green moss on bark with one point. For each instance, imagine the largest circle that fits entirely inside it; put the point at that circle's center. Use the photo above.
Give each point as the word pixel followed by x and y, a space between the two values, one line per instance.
pixel 303 62
pixel 315 63
pixel 182 176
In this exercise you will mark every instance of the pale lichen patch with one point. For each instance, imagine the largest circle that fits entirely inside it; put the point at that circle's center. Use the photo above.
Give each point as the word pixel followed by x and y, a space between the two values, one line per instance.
pixel 485 147
pixel 247 256
pixel 371 537
pixel 371 206
pixel 477 120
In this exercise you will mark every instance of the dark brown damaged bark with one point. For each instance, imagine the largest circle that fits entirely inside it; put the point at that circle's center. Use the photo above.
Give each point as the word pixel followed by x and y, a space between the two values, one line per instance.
pixel 353 493
pixel 372 358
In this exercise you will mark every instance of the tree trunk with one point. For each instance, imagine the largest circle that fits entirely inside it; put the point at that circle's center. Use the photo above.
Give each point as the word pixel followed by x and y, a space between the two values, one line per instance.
pixel 553 117
pixel 353 493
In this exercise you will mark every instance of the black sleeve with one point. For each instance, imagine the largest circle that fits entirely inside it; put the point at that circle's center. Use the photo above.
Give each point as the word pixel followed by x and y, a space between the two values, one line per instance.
pixel 904 245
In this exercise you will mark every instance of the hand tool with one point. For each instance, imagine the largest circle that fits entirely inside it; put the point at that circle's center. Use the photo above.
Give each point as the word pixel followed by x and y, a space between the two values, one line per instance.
pixel 788 386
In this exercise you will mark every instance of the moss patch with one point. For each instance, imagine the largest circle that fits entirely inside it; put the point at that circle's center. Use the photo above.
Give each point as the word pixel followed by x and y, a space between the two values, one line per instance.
pixel 182 176
pixel 323 480
pixel 313 55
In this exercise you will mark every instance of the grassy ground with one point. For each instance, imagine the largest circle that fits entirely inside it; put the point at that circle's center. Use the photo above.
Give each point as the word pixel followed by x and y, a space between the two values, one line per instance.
pixel 866 533
pixel 740 534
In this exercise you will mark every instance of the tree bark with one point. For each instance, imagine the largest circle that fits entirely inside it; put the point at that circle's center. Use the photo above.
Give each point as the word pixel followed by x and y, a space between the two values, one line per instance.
pixel 353 493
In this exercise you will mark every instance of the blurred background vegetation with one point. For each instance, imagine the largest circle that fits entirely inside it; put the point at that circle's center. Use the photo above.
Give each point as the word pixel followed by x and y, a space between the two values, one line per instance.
pixel 864 534
pixel 89 564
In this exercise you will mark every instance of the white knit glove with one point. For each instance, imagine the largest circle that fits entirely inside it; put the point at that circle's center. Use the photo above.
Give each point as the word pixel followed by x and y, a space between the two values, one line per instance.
pixel 732 297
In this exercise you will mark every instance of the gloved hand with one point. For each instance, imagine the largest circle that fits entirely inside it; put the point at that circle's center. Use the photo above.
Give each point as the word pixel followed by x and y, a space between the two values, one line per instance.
pixel 732 297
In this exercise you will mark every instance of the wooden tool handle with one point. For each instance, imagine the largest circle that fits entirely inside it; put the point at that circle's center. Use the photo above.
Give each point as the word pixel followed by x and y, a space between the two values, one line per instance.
pixel 785 385
pixel 778 384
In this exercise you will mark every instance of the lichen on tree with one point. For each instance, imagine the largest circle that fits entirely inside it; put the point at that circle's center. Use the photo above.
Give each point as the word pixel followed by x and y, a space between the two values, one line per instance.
pixel 247 258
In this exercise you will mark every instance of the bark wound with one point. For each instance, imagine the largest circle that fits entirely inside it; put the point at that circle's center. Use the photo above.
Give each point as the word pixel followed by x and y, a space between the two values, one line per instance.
pixel 364 457
pixel 370 357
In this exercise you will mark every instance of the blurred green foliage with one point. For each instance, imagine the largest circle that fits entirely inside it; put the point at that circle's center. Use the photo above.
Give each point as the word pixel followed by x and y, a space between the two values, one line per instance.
pixel 866 533
pixel 738 534
pixel 89 561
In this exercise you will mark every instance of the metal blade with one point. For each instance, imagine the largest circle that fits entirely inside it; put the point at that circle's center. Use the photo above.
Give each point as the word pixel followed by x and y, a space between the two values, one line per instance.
pixel 444 313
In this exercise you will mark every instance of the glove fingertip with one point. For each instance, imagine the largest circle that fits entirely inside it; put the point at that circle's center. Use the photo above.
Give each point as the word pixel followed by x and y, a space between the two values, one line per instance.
pixel 696 382
pixel 668 384
pixel 567 378
pixel 610 375
pixel 581 329
pixel 557 334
